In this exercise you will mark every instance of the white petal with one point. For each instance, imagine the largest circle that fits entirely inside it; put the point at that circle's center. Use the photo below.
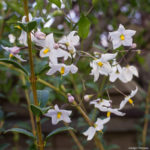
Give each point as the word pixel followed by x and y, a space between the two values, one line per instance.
pixel 113 77
pixel 73 69
pixel 121 28
pixel 134 71
pixel 108 56
pixel 133 92
pixel 123 103
pixel 90 133
pixel 130 32
pixel 127 42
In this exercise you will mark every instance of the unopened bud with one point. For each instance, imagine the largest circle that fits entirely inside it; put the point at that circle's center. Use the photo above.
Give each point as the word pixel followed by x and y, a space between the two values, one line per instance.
pixel 87 97
pixel 56 46
pixel 70 98
pixel 40 35
pixel 133 45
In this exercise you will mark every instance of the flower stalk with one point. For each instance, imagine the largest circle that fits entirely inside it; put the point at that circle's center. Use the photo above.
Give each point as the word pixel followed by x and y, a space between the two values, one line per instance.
pixel 33 80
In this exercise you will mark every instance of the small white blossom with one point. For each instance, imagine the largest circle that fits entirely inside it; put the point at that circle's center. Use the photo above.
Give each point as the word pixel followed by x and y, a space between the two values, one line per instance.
pixel 69 42
pixel 59 115
pixel 23 36
pixel 128 99
pixel 98 126
pixel 50 50
pixel 13 52
pixel 62 68
pixel 105 106
pixel 12 38
pixel 121 37
pixel 128 72
pixel 101 65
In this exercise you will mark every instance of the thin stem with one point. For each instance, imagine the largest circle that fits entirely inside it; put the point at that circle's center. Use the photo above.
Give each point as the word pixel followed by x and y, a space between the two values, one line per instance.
pixel 33 80
pixel 87 119
pixel 28 103
pixel 146 118
pixel 51 86
pixel 74 138
pixel 119 91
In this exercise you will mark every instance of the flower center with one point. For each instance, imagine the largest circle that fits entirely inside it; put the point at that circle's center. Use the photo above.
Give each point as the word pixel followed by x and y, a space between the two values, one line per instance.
pixel 100 101
pixel 62 70
pixel 67 43
pixel 46 51
pixel 108 114
pixel 122 37
pixel 10 55
pixel 130 101
pixel 18 27
pixel 71 51
pixel 59 115
pixel 95 125
pixel 100 64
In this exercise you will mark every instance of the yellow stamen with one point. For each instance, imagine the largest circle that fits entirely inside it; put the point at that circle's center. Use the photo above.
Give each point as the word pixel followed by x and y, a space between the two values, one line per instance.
pixel 95 125
pixel 100 64
pixel 46 51
pixel 122 37
pixel 130 101
pixel 18 27
pixel 10 55
pixel 100 101
pixel 108 114
pixel 62 70
pixel 71 51
pixel 100 131
pixel 67 43
pixel 59 115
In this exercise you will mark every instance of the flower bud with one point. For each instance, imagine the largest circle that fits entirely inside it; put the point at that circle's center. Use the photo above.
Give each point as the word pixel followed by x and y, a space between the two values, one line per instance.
pixel 87 97
pixel 56 46
pixel 70 98
pixel 133 45
pixel 40 35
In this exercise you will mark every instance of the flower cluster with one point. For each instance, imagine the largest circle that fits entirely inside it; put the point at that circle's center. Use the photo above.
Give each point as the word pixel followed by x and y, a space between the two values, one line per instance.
pixel 106 64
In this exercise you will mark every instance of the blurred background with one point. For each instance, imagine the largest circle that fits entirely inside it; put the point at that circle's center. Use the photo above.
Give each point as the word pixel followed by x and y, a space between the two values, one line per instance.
pixel 103 17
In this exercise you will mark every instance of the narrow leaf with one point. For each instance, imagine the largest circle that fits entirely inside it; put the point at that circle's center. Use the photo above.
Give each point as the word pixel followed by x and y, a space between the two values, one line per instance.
pixel 59 130
pixel 22 131
pixel 15 64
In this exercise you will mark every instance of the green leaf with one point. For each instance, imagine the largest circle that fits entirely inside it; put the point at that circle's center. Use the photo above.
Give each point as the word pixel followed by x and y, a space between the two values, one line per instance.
pixel 31 25
pixel 68 3
pixel 56 2
pixel 95 2
pixel 43 96
pixel 84 26
pixel 59 130
pixel 38 111
pixel 15 64
pixel 22 131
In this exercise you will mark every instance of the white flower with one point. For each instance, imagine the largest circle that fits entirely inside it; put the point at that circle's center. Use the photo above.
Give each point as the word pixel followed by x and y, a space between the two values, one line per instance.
pixel 117 73
pixel 128 72
pixel 105 106
pixel 50 50
pixel 121 37
pixel 101 65
pixel 62 68
pixel 13 52
pixel 59 115
pixel 12 38
pixel 101 102
pixel 69 42
pixel 40 35
pixel 128 99
pixel 98 126
pixel 23 36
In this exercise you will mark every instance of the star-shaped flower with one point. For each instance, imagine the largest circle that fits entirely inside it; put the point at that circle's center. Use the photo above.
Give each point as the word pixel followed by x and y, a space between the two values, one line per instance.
pixel 50 50
pixel 128 99
pixel 59 115
pixel 13 52
pixel 128 72
pixel 69 42
pixel 98 126
pixel 121 37
pixel 105 106
pixel 62 68
pixel 101 65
